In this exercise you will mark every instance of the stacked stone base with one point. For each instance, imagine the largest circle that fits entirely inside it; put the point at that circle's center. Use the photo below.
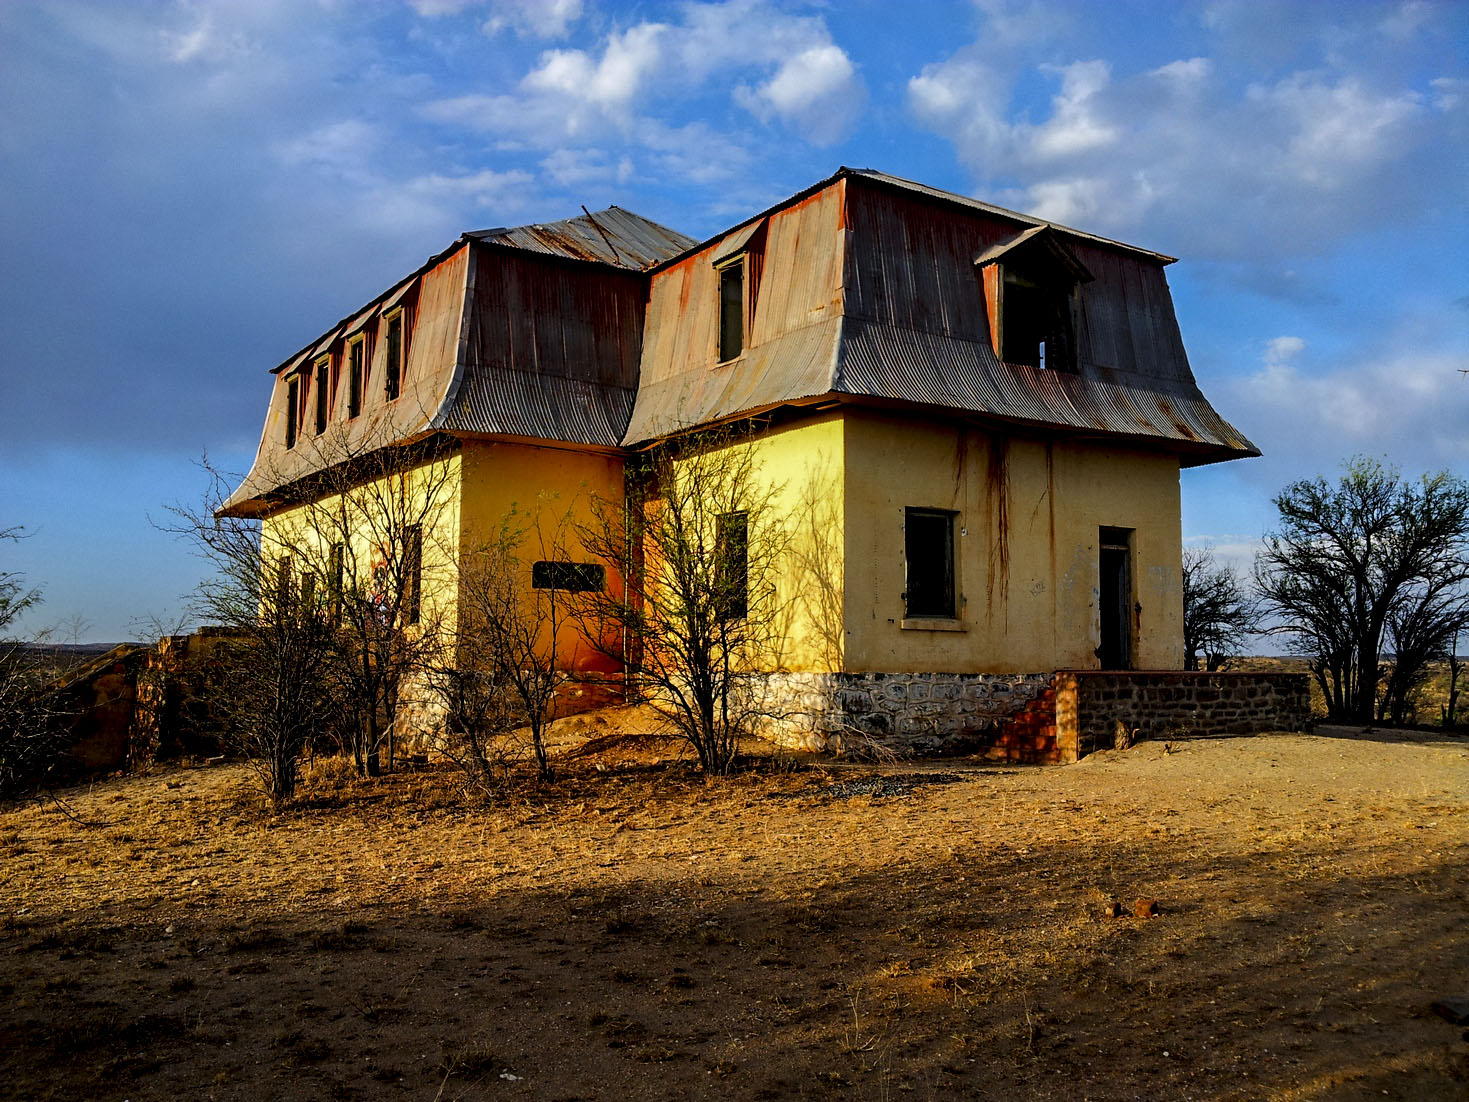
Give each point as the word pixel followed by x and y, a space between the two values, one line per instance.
pixel 1051 717
pixel 910 713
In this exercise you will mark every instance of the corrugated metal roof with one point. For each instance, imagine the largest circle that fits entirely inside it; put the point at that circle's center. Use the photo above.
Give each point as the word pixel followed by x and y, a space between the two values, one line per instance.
pixel 889 362
pixel 547 407
pixel 1004 212
pixel 611 236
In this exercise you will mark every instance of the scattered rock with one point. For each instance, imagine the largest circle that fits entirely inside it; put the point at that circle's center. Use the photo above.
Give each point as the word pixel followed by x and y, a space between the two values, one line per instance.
pixel 1146 908
pixel 1454 1010
pixel 1112 909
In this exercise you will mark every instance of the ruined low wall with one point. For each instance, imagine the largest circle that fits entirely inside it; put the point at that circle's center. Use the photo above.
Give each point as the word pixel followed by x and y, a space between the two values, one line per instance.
pixel 912 713
pixel 1169 704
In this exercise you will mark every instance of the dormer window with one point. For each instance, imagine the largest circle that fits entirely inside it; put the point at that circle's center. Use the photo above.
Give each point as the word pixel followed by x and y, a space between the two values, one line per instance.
pixel 738 264
pixel 356 373
pixel 323 392
pixel 293 401
pixel 1032 288
pixel 393 354
pixel 731 310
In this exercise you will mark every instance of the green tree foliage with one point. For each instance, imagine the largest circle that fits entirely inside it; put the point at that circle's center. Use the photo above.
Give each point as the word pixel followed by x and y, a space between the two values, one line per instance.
pixel 1368 559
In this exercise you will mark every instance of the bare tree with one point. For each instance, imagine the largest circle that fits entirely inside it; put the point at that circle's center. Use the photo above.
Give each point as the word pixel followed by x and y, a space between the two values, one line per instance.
pixel 273 693
pixel 1345 559
pixel 1423 626
pixel 32 741
pixel 1218 611
pixel 697 543
pixel 368 536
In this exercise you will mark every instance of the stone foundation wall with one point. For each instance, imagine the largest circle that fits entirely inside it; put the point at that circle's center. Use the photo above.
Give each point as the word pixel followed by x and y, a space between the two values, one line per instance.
pixel 1169 704
pixel 912 713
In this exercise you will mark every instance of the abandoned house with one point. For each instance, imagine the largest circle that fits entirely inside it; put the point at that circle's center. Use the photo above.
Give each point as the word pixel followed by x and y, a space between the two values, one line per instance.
pixel 989 411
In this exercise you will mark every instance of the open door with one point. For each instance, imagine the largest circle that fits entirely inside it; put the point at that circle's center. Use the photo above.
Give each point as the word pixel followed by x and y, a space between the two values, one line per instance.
pixel 1114 575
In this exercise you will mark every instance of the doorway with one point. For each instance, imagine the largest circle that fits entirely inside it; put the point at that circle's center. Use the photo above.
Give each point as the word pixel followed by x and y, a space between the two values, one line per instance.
pixel 1114 575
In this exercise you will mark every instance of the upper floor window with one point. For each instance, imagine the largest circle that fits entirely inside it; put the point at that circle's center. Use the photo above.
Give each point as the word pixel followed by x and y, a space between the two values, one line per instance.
pixel 393 355
pixel 356 373
pixel 412 606
pixel 731 310
pixel 323 391
pixel 293 401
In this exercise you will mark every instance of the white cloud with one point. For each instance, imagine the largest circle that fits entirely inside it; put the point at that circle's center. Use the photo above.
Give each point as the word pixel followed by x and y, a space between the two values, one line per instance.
pixel 529 18
pixel 1184 160
pixel 1306 416
pixel 793 74
pixel 1281 350
pixel 817 91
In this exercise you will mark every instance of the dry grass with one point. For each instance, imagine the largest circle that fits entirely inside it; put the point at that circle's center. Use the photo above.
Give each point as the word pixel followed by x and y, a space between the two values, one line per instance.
pixel 631 931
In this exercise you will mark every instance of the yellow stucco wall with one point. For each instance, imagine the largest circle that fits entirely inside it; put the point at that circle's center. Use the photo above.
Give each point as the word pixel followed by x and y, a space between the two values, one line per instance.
pixel 427 495
pixel 802 465
pixel 547 492
pixel 1026 566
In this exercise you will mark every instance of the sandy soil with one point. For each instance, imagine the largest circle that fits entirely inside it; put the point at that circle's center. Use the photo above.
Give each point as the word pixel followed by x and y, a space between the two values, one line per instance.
pixel 632 932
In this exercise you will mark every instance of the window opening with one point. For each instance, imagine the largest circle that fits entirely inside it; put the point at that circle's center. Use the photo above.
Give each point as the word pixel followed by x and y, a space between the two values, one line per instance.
pixel 1114 594
pixel 355 367
pixel 334 566
pixel 731 311
pixel 393 366
pixel 928 545
pixel 323 385
pixel 732 566
pixel 573 577
pixel 293 398
pixel 412 573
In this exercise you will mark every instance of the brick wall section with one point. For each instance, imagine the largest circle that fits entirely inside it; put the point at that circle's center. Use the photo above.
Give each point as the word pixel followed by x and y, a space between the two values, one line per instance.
pixel 1167 704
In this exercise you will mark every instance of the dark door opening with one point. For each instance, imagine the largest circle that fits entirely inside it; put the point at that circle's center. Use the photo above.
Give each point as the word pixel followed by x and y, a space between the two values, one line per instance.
pixel 1114 573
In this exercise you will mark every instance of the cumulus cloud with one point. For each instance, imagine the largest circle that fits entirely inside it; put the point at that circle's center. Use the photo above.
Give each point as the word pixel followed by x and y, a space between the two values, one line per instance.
pixel 1305 415
pixel 1199 157
pixel 781 68
pixel 816 91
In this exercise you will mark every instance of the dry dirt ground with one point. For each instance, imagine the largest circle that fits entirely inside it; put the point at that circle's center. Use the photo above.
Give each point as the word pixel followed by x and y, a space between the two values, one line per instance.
pixel 793 932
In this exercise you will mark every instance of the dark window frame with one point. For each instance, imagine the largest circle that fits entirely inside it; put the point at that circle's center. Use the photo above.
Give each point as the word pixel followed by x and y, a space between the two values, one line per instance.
pixel 731 333
pixel 395 326
pixel 569 577
pixel 356 374
pixel 732 565
pixel 929 549
pixel 293 400
pixel 323 383
pixel 412 573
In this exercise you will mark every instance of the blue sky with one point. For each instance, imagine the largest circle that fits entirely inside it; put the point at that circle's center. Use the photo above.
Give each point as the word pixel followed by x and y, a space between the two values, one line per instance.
pixel 190 191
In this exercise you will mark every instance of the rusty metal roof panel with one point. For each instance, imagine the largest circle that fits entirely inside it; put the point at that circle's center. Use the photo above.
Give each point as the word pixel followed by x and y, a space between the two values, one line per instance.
pixel 989 208
pixel 888 362
pixel 795 365
pixel 612 236
pixel 547 407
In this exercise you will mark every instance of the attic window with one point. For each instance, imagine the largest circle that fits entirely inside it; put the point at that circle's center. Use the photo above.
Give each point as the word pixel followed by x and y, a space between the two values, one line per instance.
pixel 1031 283
pixel 1036 328
pixel 356 369
pixel 731 310
pixel 293 399
pixel 322 384
pixel 393 360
